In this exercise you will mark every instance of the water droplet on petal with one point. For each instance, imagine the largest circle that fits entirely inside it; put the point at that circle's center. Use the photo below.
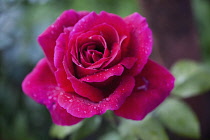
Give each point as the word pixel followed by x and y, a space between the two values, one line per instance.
pixel 107 99
pixel 54 106
pixel 90 37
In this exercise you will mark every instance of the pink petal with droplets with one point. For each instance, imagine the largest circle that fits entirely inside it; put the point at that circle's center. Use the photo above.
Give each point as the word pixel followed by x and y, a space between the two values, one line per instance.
pixel 152 86
pixel 47 39
pixel 61 117
pixel 82 88
pixel 41 86
pixel 93 19
pixel 116 70
pixel 84 108
pixel 140 45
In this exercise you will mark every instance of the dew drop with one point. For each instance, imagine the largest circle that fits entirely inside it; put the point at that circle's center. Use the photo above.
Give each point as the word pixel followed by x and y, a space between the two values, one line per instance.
pixel 143 87
pixel 54 106
pixel 90 37
pixel 53 26
pixel 85 112
pixel 107 99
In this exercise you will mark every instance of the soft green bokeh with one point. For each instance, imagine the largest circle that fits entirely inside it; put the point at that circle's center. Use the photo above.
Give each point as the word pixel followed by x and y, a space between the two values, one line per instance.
pixel 179 118
pixel 191 78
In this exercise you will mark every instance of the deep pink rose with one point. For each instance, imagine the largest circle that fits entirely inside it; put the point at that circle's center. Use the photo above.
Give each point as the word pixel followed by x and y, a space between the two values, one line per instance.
pixel 94 63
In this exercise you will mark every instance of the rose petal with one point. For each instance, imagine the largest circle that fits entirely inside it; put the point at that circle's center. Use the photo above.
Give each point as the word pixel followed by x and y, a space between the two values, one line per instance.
pixel 82 88
pixel 116 70
pixel 115 56
pixel 93 19
pixel 140 41
pixel 128 62
pixel 48 38
pixel 60 73
pixel 83 108
pixel 61 117
pixel 81 71
pixel 108 32
pixel 41 86
pixel 153 85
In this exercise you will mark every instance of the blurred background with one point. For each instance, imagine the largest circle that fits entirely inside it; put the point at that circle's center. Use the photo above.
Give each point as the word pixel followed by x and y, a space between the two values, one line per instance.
pixel 181 30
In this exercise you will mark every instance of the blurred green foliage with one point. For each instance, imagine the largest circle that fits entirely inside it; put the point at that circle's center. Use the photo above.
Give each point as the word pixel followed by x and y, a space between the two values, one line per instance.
pixel 21 21
pixel 201 10
pixel 192 78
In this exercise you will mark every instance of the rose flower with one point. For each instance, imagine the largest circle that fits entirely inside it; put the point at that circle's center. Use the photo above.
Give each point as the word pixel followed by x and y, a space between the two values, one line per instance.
pixel 94 63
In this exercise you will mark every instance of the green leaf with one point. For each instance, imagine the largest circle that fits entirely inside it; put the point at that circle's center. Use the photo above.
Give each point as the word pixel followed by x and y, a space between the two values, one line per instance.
pixel 61 132
pixel 19 130
pixel 191 78
pixel 111 136
pixel 179 118
pixel 89 126
pixel 147 129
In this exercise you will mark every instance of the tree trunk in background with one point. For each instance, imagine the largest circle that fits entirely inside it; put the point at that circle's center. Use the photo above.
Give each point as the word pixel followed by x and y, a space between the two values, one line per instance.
pixel 173 29
pixel 175 38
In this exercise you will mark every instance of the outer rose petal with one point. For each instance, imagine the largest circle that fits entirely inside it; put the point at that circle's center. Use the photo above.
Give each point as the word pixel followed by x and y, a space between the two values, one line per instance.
pixel 94 19
pixel 84 108
pixel 60 73
pixel 41 86
pixel 153 85
pixel 140 40
pixel 61 117
pixel 48 38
